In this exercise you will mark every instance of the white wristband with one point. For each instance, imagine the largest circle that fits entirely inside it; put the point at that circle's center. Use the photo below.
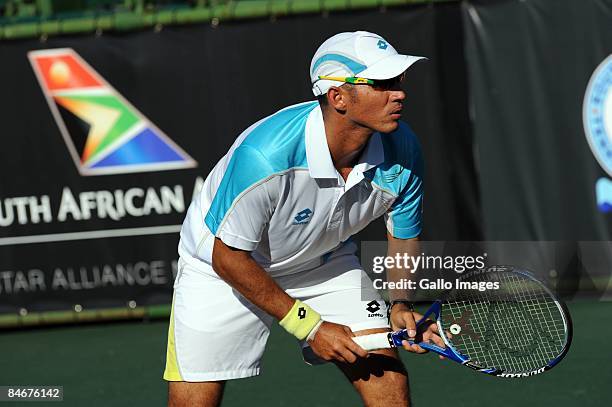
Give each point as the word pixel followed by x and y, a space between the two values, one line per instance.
pixel 312 333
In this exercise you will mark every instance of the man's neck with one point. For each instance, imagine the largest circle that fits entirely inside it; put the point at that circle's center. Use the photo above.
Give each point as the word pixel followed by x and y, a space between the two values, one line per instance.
pixel 346 142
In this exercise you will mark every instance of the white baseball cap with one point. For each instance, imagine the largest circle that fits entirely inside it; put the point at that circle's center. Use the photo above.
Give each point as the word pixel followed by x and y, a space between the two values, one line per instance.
pixel 360 53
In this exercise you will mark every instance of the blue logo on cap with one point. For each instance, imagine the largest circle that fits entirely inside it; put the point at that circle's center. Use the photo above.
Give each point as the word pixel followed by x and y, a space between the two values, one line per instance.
pixel 382 44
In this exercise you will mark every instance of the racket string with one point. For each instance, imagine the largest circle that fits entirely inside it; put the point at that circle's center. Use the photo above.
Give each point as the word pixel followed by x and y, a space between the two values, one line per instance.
pixel 518 328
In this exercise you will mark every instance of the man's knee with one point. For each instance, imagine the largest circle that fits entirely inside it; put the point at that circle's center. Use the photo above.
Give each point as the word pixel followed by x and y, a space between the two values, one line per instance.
pixel 203 394
pixel 380 379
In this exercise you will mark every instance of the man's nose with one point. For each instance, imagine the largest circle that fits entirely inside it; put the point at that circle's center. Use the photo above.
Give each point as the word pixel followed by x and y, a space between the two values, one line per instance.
pixel 398 95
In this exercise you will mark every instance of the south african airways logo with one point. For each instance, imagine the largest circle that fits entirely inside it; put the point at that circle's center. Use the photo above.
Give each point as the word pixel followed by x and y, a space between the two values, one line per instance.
pixel 104 133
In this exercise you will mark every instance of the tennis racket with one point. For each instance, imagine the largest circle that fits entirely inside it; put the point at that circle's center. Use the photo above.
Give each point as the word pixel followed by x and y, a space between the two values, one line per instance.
pixel 517 330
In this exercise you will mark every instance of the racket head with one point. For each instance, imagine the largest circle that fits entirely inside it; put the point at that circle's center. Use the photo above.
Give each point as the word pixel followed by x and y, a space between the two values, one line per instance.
pixel 519 330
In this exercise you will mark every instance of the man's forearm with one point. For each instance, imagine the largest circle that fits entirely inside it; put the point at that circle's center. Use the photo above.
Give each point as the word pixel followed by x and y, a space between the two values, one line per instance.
pixel 239 270
pixel 412 248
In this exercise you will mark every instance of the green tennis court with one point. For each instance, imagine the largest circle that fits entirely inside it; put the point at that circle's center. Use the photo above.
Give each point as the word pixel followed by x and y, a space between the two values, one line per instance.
pixel 120 364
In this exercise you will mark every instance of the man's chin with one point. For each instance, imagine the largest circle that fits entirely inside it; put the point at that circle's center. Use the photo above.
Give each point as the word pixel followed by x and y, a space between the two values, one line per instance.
pixel 389 127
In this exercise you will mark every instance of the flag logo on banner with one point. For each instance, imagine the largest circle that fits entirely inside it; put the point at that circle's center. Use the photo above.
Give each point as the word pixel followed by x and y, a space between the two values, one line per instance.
pixel 104 133
pixel 597 119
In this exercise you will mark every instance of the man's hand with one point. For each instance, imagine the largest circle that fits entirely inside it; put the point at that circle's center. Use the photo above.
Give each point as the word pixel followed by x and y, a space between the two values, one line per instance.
pixel 403 318
pixel 333 342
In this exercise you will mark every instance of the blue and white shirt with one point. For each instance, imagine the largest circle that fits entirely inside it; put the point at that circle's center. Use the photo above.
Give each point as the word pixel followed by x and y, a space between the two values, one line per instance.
pixel 277 194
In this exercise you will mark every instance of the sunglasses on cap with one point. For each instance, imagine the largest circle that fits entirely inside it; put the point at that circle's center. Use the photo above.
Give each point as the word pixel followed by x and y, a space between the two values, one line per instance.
pixel 383 84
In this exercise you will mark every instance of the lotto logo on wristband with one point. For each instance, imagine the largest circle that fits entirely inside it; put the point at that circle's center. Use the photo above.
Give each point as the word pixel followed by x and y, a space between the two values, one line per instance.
pixel 302 313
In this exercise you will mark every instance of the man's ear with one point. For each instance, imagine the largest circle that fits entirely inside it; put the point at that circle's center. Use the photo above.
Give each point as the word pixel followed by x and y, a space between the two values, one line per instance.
pixel 336 99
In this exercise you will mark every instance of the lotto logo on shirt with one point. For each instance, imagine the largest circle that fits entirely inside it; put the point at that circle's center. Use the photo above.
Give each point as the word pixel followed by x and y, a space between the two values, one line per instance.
pixel 303 217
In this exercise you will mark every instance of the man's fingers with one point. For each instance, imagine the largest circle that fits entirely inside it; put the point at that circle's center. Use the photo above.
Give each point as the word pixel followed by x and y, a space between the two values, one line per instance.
pixel 356 349
pixel 435 338
pixel 433 327
pixel 348 331
pixel 344 353
pixel 438 341
pixel 338 358
pixel 352 346
pixel 413 347
pixel 348 350
pixel 410 324
pixel 419 349
pixel 348 356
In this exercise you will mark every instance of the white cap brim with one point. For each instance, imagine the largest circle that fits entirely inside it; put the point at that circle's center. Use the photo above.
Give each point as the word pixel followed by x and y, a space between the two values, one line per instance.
pixel 389 67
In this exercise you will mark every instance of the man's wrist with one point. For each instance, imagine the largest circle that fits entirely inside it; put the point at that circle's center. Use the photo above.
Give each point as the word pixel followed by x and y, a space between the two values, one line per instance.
pixel 301 320
pixel 314 330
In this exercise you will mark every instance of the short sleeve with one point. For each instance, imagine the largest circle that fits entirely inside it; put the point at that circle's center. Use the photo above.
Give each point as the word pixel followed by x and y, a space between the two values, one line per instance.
pixel 404 218
pixel 243 203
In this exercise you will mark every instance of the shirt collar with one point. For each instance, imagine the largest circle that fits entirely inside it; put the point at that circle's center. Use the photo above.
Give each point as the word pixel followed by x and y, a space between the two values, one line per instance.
pixel 320 164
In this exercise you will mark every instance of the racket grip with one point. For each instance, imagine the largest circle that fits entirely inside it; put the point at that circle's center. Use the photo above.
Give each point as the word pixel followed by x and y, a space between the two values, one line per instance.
pixel 374 341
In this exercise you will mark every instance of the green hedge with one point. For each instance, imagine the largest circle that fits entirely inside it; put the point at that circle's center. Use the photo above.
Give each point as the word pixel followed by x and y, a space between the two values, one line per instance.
pixel 43 18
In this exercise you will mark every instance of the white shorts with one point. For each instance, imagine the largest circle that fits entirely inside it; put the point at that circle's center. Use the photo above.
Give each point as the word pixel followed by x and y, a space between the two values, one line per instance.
pixel 216 334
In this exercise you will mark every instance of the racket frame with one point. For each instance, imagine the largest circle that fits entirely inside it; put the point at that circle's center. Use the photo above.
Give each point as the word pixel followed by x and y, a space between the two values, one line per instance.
pixel 450 352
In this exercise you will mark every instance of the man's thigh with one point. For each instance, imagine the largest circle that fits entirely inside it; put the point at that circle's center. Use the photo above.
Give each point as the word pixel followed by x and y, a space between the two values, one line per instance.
pixel 381 378
pixel 214 333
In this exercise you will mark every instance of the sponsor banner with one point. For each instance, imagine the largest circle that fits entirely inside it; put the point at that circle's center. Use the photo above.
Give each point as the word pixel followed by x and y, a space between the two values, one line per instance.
pixel 70 242
pixel 597 120
pixel 106 139
pixel 542 117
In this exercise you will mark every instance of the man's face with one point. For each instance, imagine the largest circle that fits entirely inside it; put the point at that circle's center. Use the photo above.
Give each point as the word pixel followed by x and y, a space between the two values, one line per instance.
pixel 376 107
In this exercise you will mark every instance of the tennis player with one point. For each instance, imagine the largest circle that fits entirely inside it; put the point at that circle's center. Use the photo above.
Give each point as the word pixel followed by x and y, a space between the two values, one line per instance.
pixel 268 238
